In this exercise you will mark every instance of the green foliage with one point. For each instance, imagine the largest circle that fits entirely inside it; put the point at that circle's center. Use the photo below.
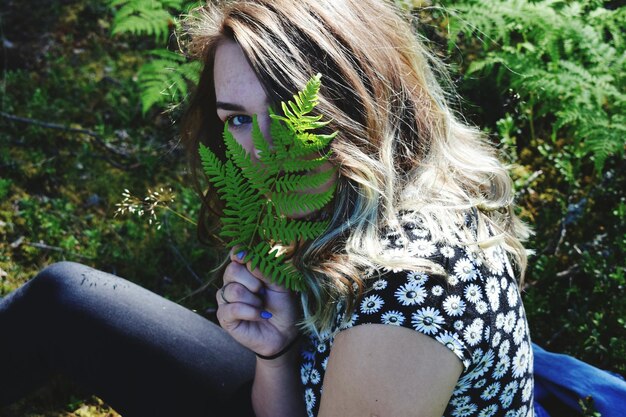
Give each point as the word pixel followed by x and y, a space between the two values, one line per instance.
pixel 546 78
pixel 165 79
pixel 165 76
pixel 259 196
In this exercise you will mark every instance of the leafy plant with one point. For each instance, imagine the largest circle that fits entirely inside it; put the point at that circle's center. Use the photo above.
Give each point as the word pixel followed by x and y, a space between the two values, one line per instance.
pixel 259 196
pixel 165 76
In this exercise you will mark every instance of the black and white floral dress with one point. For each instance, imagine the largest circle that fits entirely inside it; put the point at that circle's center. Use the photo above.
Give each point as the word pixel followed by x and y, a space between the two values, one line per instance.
pixel 476 312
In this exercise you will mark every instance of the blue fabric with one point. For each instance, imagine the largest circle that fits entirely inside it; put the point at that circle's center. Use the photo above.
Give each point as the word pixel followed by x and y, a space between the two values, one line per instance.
pixel 566 379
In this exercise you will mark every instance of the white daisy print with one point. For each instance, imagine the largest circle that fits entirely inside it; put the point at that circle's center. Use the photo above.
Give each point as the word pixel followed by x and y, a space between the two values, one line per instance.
pixel 473 293
pixel 458 325
pixel 501 367
pixel 427 320
pixel 487 332
pixel 520 361
pixel 418 278
pixel 488 411
pixel 503 282
pixel 473 333
pixel 509 321
pixel 520 331
pixel 512 413
pixel 315 377
pixel 451 342
pixel 305 372
pixel 504 348
pixel 309 399
pixel 325 362
pixel 493 292
pixel 321 347
pixel 465 410
pixel 422 248
pixel 500 320
pixel 455 402
pixel 511 295
pixel 473 256
pixel 393 317
pixel 410 294
pixel 447 251
pixel 465 270
pixel 508 392
pixel 462 386
pixel 495 341
pixel 437 290
pixel 454 306
pixel 371 304
pixel 481 307
pixel 453 280
pixel 491 391
pixel 481 383
pixel 484 364
pixel 349 323
pixel 494 260
pixel 380 284
pixel 527 391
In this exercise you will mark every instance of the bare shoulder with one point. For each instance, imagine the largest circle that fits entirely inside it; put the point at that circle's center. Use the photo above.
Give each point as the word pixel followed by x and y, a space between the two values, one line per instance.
pixel 382 370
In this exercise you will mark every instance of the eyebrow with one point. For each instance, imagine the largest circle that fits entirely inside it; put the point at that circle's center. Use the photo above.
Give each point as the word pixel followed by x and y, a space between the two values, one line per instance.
pixel 229 106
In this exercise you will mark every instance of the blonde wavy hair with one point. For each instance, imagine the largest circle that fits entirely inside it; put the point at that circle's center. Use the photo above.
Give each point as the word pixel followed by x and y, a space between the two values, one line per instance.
pixel 400 147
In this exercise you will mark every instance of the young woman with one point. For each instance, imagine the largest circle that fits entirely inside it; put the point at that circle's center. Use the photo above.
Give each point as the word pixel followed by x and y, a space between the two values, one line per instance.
pixel 411 305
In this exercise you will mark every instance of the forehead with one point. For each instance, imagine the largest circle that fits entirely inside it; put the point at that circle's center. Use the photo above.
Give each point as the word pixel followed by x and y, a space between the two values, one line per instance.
pixel 234 79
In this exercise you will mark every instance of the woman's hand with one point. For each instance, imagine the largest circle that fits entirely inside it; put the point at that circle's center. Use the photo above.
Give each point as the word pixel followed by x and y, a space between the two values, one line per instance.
pixel 259 314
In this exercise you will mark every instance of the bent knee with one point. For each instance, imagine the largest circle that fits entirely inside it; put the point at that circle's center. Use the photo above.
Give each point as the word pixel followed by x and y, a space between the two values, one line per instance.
pixel 60 275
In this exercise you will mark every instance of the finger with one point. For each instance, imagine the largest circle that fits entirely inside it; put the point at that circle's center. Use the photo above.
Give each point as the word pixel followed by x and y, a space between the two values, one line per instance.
pixel 230 315
pixel 236 272
pixel 234 292
pixel 237 255
pixel 271 286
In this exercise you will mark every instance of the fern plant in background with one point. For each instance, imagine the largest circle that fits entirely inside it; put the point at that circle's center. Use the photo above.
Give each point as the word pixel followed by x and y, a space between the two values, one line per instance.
pixel 260 196
pixel 164 78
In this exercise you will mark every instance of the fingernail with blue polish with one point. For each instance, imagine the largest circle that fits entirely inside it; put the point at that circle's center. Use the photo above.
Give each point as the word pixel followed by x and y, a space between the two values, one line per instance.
pixel 240 255
pixel 266 315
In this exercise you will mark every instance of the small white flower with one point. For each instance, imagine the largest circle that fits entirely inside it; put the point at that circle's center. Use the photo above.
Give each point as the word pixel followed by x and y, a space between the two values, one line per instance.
pixel 418 278
pixel 447 251
pixel 491 391
pixel 452 280
pixel 422 248
pixel 481 307
pixel 501 367
pixel 315 377
pixel 321 347
pixel 484 364
pixel 437 290
pixel 500 320
pixel 450 341
pixel 456 401
pixel 487 332
pixel 520 331
pixel 473 255
pixel 462 386
pixel 481 383
pixel 305 372
pixel 349 323
pixel 464 270
pixel 309 398
pixel 325 363
pixel 371 304
pixel 527 391
pixel 410 294
pixel 508 392
pixel 380 284
pixel 511 295
pixel 492 288
pixel 503 282
pixel 393 317
pixel 427 320
pixel 465 410
pixel 473 293
pixel 473 333
pixel 511 413
pixel 520 361
pixel 454 306
pixel 488 411
pixel 496 339
pixel 495 262
pixel 504 348
pixel 509 321
pixel 458 325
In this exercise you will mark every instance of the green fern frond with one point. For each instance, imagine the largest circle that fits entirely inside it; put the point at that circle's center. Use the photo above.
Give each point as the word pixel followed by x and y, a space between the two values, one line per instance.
pixel 261 194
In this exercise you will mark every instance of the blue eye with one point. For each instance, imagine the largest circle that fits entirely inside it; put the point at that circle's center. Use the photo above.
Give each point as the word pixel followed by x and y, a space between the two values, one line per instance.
pixel 238 120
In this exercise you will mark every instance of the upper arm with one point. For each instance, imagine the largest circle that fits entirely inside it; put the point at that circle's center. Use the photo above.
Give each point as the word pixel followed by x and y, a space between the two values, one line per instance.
pixel 380 370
